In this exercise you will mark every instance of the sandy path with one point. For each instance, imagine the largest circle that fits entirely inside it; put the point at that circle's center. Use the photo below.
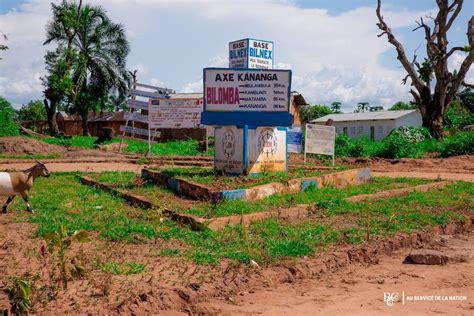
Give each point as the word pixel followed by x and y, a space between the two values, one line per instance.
pixel 77 166
pixel 125 166
pixel 358 290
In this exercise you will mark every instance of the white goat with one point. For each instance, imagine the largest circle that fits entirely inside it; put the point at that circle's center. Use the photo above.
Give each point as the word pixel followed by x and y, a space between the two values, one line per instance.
pixel 19 183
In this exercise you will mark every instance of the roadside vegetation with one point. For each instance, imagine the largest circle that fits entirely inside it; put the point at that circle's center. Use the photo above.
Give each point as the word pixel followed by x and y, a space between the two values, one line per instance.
pixel 177 147
pixel 399 145
pixel 61 202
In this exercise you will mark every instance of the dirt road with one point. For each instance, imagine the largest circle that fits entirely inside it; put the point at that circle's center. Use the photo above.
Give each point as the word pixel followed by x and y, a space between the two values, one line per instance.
pixel 358 290
pixel 99 166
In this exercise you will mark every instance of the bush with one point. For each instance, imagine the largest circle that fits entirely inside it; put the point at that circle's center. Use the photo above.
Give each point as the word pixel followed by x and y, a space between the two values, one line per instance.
pixel 457 116
pixel 461 143
pixel 400 143
pixel 8 126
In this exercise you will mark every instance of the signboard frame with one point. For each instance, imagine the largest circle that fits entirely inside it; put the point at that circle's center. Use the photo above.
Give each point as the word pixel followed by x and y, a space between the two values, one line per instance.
pixel 250 118
pixel 333 128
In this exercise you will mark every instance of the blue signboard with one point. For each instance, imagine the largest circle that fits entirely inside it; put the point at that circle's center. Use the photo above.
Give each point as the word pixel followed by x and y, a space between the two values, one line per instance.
pixel 295 139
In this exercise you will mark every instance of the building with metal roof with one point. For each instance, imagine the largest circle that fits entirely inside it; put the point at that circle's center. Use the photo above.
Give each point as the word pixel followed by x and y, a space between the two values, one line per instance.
pixel 374 125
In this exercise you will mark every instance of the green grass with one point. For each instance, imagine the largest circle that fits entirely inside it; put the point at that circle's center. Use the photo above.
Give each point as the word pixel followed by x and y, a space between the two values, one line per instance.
pixel 74 141
pixel 63 200
pixel 131 182
pixel 210 178
pixel 124 268
pixel 169 148
pixel 270 240
pixel 319 197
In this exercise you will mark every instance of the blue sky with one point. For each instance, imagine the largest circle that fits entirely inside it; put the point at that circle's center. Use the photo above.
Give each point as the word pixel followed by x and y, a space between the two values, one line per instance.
pixel 331 45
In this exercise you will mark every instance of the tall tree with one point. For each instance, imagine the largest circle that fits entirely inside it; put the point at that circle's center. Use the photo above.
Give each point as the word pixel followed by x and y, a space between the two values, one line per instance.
pixel 101 68
pixel 400 105
pixel 310 112
pixel 92 51
pixel 62 29
pixel 433 98
pixel 336 107
pixel 33 111
pixel 362 107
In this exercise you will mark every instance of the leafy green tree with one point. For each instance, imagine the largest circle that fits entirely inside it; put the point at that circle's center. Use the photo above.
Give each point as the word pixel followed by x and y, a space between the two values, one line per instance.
pixel 458 116
pixel 362 107
pixel 466 98
pixel 8 126
pixel 336 107
pixel 33 111
pixel 310 112
pixel 58 82
pixel 400 105
pixel 101 47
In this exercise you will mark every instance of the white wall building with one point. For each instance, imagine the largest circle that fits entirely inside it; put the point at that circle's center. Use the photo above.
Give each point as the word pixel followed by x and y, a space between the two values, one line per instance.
pixel 374 125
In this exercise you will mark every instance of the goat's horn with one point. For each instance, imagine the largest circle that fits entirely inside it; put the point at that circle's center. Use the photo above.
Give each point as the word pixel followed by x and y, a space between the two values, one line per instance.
pixel 37 161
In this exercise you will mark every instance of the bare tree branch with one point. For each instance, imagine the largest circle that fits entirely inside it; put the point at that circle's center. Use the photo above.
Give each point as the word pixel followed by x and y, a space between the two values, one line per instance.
pixel 468 85
pixel 458 5
pixel 452 50
pixel 401 56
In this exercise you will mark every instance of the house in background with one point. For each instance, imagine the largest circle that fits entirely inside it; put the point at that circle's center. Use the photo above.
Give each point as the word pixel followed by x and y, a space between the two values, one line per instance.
pixel 71 124
pixel 296 102
pixel 374 125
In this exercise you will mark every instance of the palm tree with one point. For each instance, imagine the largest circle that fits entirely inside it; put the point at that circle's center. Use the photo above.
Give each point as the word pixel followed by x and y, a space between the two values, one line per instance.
pixel 101 49
pixel 61 29
pixel 362 107
pixel 336 107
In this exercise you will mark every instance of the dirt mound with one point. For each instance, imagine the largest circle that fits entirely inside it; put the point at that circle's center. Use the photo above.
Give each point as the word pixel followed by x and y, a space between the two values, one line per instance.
pixel 27 146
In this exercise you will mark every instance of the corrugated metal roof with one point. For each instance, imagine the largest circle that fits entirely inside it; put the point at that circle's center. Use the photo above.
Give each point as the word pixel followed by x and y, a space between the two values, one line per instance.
pixel 366 116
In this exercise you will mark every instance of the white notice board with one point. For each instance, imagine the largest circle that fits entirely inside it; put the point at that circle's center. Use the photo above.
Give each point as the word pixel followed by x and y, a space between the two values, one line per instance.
pixel 320 139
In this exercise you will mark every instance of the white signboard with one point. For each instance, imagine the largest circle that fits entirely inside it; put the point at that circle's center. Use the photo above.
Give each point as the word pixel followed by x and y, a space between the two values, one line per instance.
pixel 175 113
pixel 228 90
pixel 320 139
pixel 140 131
pixel 238 54
pixel 267 149
pixel 229 149
pixel 251 53
pixel 136 117
pixel 138 105
pixel 260 54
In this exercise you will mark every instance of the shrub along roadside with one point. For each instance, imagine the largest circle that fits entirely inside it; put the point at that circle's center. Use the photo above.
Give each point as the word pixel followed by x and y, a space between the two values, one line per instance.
pixel 188 147
pixel 398 145
pixel 8 126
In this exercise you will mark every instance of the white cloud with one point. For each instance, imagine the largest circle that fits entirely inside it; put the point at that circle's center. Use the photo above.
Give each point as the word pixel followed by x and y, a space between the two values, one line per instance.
pixel 333 57
pixel 195 86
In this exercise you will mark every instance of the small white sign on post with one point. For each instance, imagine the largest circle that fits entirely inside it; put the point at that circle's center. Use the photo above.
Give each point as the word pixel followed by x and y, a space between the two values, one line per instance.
pixel 320 139
pixel 175 113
